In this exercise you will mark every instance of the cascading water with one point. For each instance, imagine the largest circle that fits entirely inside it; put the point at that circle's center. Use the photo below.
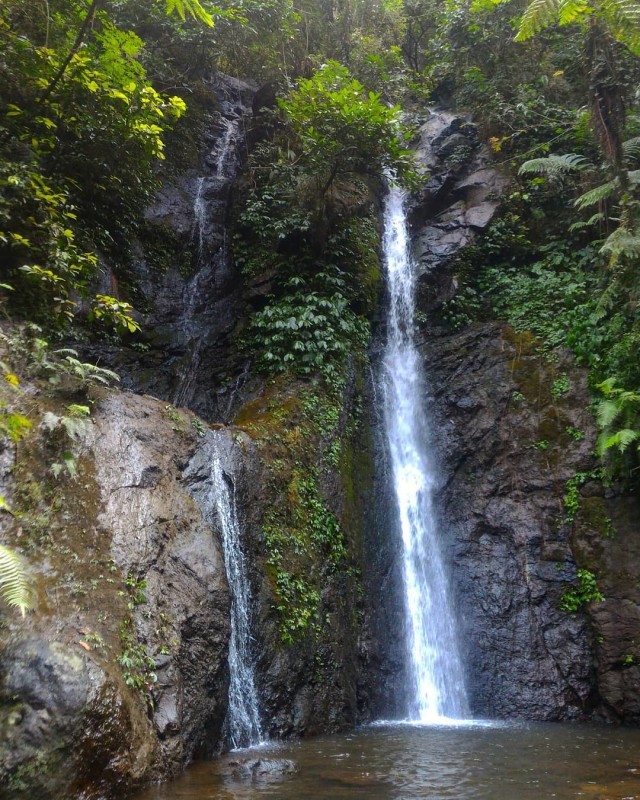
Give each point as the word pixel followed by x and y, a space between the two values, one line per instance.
pixel 214 186
pixel 243 717
pixel 438 685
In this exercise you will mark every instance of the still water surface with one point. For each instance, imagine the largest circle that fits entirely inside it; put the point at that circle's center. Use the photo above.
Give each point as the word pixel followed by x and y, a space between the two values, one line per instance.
pixel 402 762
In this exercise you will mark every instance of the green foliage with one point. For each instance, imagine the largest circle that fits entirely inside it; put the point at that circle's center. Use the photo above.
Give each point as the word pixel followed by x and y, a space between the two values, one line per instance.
pixel 341 128
pixel 14 426
pixel 560 387
pixel 138 668
pixel 586 592
pixel 555 165
pixel 307 332
pixel 575 433
pixel 571 500
pixel 312 531
pixel 541 445
pixel 134 591
pixel 74 423
pixel 618 416
pixel 302 437
pixel 115 312
pixel 307 222
pixel 15 586
pixel 82 129
pixel 621 17
pixel 552 297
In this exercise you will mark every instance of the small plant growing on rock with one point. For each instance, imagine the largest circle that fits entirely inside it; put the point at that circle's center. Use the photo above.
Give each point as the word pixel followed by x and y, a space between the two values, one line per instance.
pixel 15 586
pixel 137 665
pixel 586 592
pixel 74 424
pixel 574 433
pixel 560 387
pixel 541 444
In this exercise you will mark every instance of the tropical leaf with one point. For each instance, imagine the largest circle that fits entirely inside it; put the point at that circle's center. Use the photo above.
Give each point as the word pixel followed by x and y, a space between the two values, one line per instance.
pixel 621 243
pixel 608 386
pixel 621 439
pixel 192 8
pixel 597 195
pixel 570 10
pixel 623 17
pixel 631 148
pixel 594 219
pixel 555 165
pixel 539 14
pixel 607 411
pixel 15 586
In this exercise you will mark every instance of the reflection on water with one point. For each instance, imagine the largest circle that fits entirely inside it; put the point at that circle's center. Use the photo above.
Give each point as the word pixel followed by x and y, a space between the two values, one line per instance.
pixel 402 762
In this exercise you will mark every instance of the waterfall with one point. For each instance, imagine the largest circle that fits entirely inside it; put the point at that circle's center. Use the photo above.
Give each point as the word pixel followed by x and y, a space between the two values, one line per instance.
pixel 206 227
pixel 438 690
pixel 243 717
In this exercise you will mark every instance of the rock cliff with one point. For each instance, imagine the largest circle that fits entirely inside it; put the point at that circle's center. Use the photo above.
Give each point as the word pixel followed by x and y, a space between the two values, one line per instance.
pixel 121 675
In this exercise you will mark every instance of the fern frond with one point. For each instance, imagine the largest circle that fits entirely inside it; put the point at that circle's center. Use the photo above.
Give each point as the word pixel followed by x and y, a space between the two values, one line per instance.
pixel 623 16
pixel 539 14
pixel 608 386
pixel 607 411
pixel 621 243
pixel 15 587
pixel 570 10
pixel 631 148
pixel 594 219
pixel 555 165
pixel 621 439
pixel 597 195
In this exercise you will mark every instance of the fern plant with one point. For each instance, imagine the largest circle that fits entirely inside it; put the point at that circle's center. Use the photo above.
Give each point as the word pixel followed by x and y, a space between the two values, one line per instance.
pixel 624 242
pixel 555 165
pixel 15 586
pixel 618 416
pixel 621 18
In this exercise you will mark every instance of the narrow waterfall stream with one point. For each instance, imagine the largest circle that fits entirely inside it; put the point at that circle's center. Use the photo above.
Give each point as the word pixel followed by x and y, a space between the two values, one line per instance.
pixel 215 186
pixel 243 717
pixel 438 690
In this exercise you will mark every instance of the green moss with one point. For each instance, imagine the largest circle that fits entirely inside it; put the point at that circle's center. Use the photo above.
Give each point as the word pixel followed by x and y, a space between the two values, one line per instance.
pixel 592 516
pixel 31 772
pixel 301 432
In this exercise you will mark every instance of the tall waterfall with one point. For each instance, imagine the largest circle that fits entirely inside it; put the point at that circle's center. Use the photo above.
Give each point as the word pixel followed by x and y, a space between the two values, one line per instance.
pixel 243 718
pixel 438 690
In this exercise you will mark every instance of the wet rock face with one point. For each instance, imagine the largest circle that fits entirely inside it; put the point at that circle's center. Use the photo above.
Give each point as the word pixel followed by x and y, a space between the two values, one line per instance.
pixel 308 686
pixel 459 200
pixel 188 290
pixel 384 675
pixel 606 540
pixel 505 456
pixel 163 531
pixel 149 583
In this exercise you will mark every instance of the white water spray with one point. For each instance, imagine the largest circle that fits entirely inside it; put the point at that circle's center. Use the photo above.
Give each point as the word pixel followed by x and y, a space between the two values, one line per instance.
pixel 243 718
pixel 438 691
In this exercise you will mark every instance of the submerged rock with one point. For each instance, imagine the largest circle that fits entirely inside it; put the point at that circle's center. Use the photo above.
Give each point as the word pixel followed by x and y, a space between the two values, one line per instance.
pixel 263 769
